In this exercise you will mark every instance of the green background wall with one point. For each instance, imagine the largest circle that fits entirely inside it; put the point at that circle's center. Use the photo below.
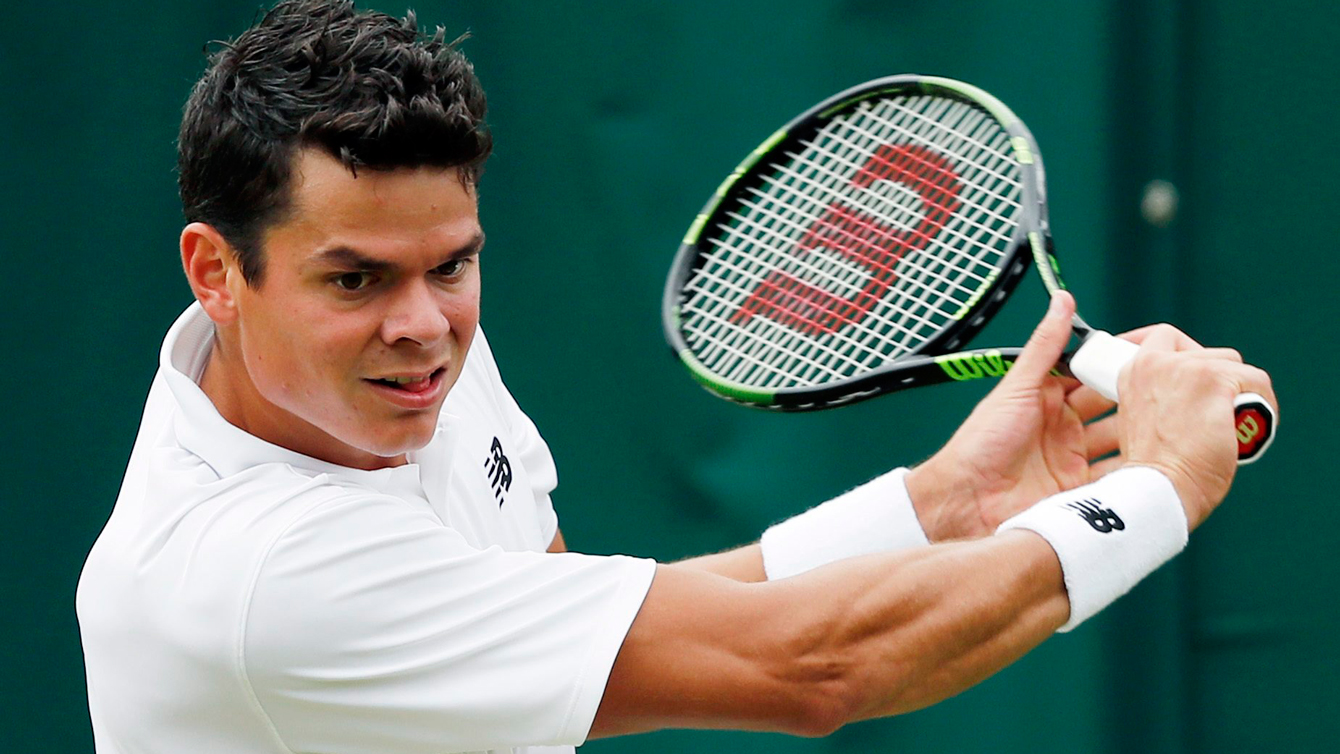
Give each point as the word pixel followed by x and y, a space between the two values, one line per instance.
pixel 613 122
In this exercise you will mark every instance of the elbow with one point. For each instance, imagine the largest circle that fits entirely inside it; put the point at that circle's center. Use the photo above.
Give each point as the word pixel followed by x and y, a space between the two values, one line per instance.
pixel 821 711
pixel 819 678
pixel 822 694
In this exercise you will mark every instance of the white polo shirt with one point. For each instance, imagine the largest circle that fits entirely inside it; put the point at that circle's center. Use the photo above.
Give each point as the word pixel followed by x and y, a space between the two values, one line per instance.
pixel 246 598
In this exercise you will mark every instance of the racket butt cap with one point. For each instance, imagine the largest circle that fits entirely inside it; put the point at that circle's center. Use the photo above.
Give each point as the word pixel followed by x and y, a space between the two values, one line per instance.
pixel 1255 422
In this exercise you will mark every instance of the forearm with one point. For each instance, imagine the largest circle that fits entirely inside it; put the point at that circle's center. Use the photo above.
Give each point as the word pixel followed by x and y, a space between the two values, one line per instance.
pixel 865 637
pixel 927 624
pixel 743 564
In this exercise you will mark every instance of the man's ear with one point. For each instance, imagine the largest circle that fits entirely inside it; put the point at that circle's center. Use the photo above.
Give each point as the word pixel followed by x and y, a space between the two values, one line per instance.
pixel 212 270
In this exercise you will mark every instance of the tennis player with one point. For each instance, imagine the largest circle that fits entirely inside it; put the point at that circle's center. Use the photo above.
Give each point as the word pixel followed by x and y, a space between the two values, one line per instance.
pixel 335 531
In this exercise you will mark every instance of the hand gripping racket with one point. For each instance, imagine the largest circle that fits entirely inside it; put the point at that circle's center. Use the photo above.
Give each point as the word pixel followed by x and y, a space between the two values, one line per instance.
pixel 858 250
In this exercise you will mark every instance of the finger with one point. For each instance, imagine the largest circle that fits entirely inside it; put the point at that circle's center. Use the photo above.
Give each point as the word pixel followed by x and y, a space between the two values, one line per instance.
pixel 1227 354
pixel 1252 379
pixel 1044 346
pixel 1087 403
pixel 1101 438
pixel 1104 467
pixel 1141 334
pixel 1068 384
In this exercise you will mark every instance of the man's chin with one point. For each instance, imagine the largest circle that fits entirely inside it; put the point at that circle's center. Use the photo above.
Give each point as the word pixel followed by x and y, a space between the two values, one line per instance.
pixel 393 447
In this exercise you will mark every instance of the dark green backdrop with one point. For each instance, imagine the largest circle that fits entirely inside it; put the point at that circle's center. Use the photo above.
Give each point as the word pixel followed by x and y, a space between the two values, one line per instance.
pixel 613 123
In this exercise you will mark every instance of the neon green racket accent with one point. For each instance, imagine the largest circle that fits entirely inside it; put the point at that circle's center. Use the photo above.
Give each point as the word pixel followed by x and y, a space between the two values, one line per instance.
pixel 726 184
pixel 761 150
pixel 1021 151
pixel 723 387
pixel 981 291
pixel 1047 266
pixel 974 366
pixel 994 106
pixel 846 103
pixel 697 227
pixel 698 222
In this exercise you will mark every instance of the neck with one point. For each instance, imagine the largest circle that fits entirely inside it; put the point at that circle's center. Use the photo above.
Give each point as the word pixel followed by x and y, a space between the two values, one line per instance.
pixel 229 387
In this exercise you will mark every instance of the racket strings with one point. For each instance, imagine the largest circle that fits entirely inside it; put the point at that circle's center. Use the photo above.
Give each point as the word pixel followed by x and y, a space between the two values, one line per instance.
pixel 833 273
pixel 820 369
pixel 942 186
pixel 966 230
pixel 948 125
pixel 813 271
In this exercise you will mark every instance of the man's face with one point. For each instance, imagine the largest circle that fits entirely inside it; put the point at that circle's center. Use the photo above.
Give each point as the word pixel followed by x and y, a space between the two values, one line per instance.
pixel 365 311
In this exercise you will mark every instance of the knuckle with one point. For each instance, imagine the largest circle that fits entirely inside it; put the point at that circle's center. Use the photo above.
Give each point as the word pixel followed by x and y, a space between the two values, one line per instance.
pixel 1147 361
pixel 1258 376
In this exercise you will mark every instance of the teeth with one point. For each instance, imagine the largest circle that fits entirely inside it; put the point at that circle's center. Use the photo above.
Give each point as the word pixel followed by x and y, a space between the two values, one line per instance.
pixel 405 380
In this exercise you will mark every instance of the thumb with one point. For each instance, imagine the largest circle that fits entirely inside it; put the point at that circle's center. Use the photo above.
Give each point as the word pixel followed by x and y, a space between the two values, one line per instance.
pixel 1049 339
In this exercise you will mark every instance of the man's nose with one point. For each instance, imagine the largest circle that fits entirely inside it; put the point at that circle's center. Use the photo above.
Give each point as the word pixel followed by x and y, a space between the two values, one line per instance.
pixel 416 314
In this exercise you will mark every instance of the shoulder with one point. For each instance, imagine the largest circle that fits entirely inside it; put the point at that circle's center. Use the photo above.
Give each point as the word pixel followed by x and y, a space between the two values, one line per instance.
pixel 367 617
pixel 479 392
pixel 480 360
pixel 181 525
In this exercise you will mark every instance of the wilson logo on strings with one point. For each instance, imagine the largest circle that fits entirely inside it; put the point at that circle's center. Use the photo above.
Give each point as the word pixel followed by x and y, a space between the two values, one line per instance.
pixel 864 240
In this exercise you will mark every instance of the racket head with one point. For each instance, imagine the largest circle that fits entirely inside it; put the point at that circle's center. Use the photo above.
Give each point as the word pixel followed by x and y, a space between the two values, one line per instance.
pixel 859 245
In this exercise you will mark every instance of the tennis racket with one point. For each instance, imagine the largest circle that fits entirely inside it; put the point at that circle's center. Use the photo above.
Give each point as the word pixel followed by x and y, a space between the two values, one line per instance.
pixel 859 248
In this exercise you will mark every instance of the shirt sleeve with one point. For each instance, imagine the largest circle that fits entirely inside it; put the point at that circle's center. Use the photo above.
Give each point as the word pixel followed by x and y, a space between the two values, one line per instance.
pixel 373 628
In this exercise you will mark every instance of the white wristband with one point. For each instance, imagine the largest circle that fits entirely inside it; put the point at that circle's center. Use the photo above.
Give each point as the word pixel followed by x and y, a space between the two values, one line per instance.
pixel 875 517
pixel 1108 535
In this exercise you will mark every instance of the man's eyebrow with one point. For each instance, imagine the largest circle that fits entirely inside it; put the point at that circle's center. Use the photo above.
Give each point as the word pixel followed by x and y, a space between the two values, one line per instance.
pixel 472 246
pixel 349 258
pixel 343 256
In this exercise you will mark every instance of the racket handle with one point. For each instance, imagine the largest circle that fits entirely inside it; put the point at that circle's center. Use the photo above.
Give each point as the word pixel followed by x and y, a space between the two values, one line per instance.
pixel 1100 358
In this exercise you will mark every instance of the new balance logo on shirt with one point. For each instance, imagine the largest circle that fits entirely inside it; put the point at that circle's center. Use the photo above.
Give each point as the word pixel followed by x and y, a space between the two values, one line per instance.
pixel 499 470
pixel 1103 520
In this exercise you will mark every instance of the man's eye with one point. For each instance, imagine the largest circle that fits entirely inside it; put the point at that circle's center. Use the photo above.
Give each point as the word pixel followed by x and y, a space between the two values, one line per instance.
pixel 451 269
pixel 354 281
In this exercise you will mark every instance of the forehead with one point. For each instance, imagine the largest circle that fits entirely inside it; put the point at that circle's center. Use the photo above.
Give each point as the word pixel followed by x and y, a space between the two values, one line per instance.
pixel 331 205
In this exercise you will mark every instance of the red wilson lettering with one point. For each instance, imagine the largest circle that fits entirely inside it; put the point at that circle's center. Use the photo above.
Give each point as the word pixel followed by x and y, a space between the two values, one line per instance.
pixel 865 240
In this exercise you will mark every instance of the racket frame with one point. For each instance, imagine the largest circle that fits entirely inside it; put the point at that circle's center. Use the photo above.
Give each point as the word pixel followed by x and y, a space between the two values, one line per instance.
pixel 936 360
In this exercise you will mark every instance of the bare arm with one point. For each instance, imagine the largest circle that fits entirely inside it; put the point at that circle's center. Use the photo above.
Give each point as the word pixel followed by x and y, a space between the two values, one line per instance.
pixel 883 634
pixel 1027 440
pixel 741 564
pixel 861 638
pixel 558 545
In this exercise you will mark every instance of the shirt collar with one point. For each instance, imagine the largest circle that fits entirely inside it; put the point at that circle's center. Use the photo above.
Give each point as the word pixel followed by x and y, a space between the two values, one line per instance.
pixel 229 450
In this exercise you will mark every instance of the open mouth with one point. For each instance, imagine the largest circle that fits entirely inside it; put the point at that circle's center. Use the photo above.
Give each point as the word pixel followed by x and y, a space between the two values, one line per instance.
pixel 417 384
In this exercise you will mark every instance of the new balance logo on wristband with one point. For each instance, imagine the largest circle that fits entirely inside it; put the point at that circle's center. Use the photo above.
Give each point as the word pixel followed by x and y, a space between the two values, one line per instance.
pixel 1103 520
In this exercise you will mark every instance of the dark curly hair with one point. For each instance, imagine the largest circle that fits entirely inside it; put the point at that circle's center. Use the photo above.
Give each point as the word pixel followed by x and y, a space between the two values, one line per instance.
pixel 366 87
